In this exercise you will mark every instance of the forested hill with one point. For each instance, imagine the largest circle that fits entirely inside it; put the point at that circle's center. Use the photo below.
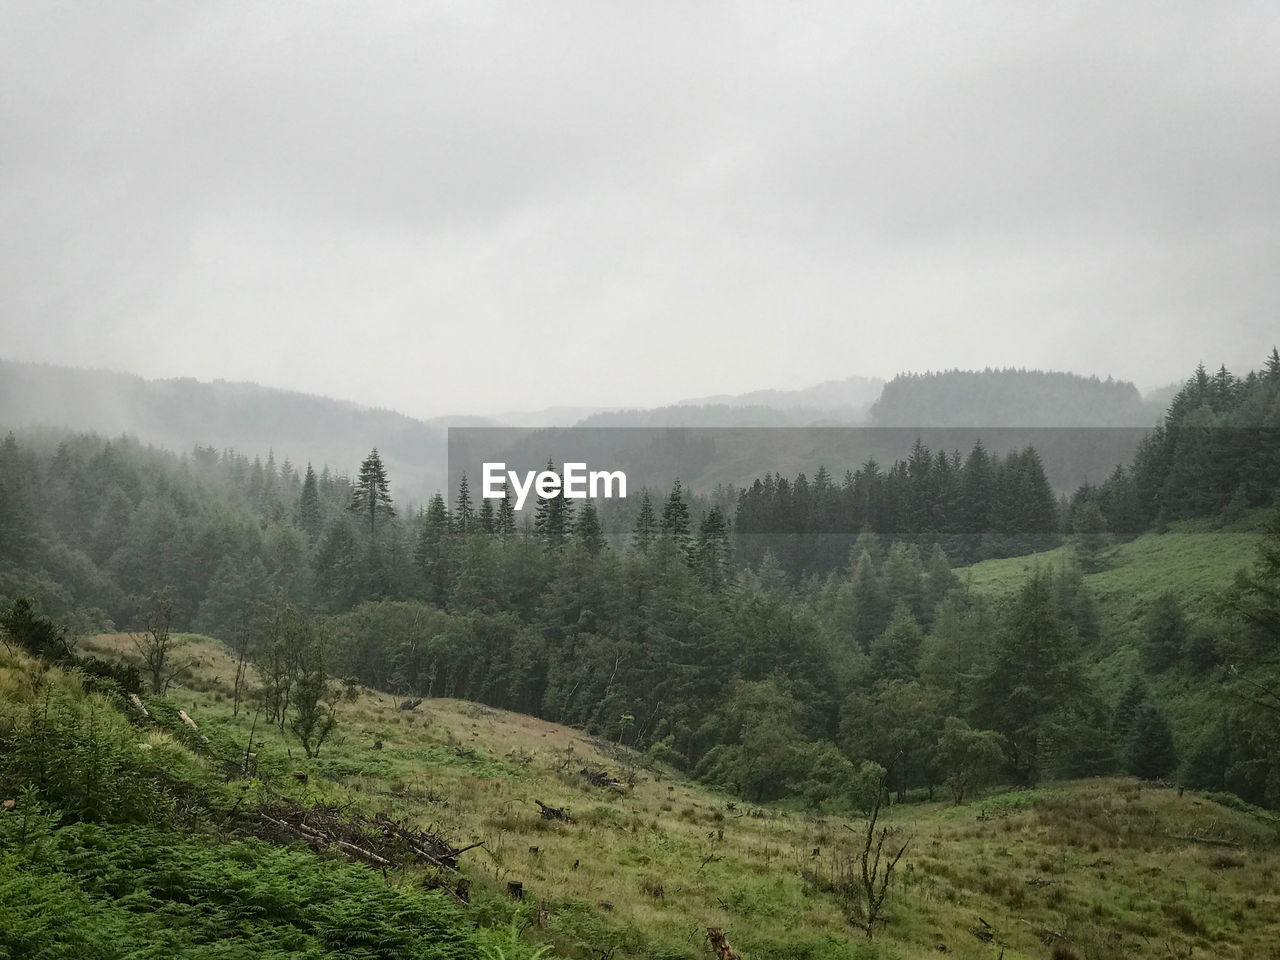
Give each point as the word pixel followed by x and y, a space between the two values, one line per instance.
pixel 183 413
pixel 1010 398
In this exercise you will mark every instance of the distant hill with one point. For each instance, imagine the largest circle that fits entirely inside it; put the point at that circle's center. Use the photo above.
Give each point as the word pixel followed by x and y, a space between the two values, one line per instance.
pixel 724 415
pixel 847 399
pixel 182 413
pixel 1011 398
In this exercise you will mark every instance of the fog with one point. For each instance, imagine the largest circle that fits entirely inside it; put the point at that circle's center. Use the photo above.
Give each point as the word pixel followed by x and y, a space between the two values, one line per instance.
pixel 459 208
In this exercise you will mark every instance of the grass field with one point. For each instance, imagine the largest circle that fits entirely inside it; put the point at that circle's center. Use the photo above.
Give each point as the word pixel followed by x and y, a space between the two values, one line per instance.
pixel 1096 869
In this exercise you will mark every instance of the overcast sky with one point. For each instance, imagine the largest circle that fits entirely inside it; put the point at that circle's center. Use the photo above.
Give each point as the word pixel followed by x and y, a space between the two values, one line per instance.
pixel 466 207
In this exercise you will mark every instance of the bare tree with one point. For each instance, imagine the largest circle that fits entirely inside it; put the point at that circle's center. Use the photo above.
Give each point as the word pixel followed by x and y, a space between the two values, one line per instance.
pixel 156 643
pixel 880 853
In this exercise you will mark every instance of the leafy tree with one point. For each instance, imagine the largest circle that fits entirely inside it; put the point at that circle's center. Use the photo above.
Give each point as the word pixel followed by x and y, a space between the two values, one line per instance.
pixel 968 759
pixel 314 695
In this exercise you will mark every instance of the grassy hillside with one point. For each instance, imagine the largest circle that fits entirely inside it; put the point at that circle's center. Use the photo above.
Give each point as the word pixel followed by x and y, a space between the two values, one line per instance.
pixel 1194 558
pixel 1104 868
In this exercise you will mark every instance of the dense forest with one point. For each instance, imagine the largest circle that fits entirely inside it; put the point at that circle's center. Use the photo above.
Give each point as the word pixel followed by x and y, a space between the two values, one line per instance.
pixel 1009 398
pixel 709 639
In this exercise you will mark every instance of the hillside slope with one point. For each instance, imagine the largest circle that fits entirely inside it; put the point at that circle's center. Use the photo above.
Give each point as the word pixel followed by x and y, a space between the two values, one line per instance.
pixel 1104 868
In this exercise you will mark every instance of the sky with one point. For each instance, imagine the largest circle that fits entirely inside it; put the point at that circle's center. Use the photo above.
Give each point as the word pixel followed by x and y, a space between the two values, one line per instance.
pixel 468 207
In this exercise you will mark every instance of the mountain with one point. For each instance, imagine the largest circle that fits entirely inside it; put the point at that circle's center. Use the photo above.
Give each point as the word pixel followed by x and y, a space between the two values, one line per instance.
pixel 1011 398
pixel 183 413
pixel 847 399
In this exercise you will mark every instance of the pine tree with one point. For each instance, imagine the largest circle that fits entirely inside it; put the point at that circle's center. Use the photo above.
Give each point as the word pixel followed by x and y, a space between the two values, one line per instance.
pixel 432 551
pixel 371 498
pixel 505 523
pixel 1132 697
pixel 895 653
pixel 1034 672
pixel 1165 631
pixel 1150 752
pixel 711 549
pixel 646 527
pixel 587 530
pixel 675 517
pixel 464 511
pixel 309 516
pixel 553 518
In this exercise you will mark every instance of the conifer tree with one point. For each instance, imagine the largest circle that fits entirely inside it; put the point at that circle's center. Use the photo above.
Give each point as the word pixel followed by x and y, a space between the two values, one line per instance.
pixel 371 498
pixel 464 511
pixel 675 517
pixel 505 522
pixel 553 517
pixel 711 549
pixel 587 530
pixel 309 516
pixel 646 527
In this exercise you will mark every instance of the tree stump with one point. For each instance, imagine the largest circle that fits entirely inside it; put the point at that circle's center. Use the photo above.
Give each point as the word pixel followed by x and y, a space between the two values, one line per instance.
pixel 720 945
pixel 515 889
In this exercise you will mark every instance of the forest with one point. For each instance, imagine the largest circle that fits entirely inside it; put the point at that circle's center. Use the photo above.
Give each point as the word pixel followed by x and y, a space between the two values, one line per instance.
pixel 826 606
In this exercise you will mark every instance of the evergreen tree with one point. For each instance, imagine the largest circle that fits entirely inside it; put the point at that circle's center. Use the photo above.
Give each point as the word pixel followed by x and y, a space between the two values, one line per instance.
pixel 371 498
pixel 1132 697
pixel 1150 752
pixel 464 511
pixel 894 654
pixel 310 518
pixel 711 549
pixel 1164 631
pixel 553 517
pixel 1034 671
pixel 646 527
pixel 675 517
pixel 587 530
pixel 432 550
pixel 505 522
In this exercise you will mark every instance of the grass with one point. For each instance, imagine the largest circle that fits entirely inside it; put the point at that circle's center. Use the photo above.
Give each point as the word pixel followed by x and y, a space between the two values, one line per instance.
pixel 1195 559
pixel 1092 869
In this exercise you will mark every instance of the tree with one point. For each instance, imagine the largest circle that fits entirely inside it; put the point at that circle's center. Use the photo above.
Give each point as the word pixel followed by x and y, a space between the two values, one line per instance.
pixel 711 549
pixel 1034 674
pixel 1150 753
pixel 464 513
pixel 553 516
pixel 967 758
pixel 1089 535
pixel 371 498
pixel 31 630
pixel 646 527
pixel 1165 631
pixel 310 518
pixel 587 530
pixel 156 643
pixel 893 654
pixel 314 695
pixel 432 552
pixel 675 517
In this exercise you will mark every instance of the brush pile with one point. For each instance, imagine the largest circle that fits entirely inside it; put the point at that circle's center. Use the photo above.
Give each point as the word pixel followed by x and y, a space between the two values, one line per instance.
pixel 379 842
